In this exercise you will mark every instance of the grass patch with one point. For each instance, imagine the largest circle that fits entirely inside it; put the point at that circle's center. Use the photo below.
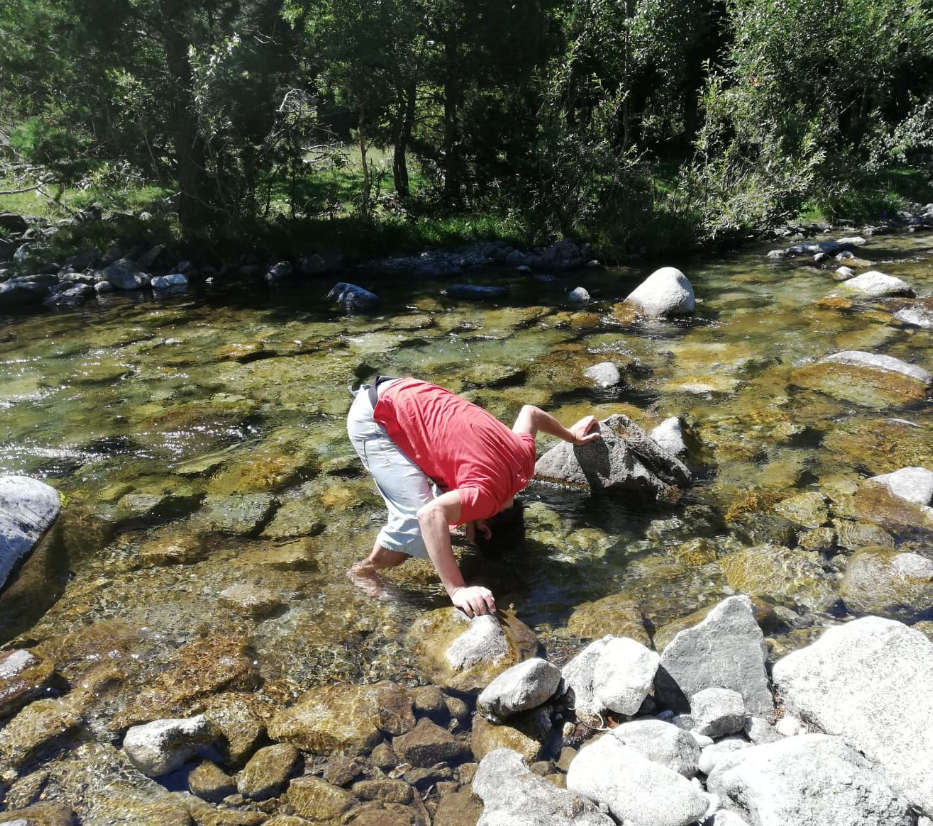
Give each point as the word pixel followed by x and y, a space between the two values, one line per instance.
pixel 871 197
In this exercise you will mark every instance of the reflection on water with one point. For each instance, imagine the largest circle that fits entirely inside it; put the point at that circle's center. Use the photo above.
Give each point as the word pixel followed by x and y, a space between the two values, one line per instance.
pixel 138 411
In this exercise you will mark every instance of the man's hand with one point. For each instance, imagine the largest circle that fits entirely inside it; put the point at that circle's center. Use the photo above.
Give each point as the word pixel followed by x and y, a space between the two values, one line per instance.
pixel 474 600
pixel 586 430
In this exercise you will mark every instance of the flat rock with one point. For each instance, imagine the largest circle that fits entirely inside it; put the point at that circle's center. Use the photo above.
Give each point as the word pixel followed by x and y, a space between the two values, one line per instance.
pixel 512 794
pixel 427 744
pixel 28 508
pixel 915 484
pixel 725 650
pixel 466 655
pixel 889 583
pixel 238 514
pixel 344 716
pixel 41 725
pixel 162 746
pixel 524 686
pixel 864 681
pixel 807 509
pixel 614 673
pixel 813 779
pixel 662 743
pixel 250 600
pixel 636 790
pixel 666 292
pixel 873 284
pixel 717 712
pixel 871 381
pixel 625 458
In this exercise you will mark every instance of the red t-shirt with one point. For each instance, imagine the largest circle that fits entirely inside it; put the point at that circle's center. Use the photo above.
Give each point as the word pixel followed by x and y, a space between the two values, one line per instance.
pixel 459 445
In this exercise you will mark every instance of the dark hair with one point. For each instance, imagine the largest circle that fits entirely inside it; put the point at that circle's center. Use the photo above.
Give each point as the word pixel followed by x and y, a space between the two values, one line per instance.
pixel 508 529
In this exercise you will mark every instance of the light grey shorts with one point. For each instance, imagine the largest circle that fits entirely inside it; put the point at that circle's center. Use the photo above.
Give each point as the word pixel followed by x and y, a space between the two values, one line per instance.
pixel 403 485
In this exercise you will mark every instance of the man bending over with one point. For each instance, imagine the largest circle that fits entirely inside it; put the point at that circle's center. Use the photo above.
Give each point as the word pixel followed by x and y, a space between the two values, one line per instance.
pixel 439 460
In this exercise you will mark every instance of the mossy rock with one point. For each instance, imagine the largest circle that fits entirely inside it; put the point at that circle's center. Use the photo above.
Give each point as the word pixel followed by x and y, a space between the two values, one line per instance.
pixel 523 733
pixel 877 389
pixel 889 583
pixel 616 614
pixel 875 503
pixel 807 509
pixel 466 655
pixel 267 469
pixel 877 446
pixel 40 726
pixel 780 575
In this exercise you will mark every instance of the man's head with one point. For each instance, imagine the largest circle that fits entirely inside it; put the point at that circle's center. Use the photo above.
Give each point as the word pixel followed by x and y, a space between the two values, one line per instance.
pixel 507 527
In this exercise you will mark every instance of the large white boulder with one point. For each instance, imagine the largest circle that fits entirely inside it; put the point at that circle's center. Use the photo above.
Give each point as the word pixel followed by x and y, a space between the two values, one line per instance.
pixel 873 284
pixel 28 508
pixel 614 673
pixel 869 682
pixel 666 292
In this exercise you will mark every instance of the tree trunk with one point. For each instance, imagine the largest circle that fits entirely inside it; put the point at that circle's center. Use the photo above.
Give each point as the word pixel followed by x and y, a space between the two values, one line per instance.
pixel 364 166
pixel 406 122
pixel 453 162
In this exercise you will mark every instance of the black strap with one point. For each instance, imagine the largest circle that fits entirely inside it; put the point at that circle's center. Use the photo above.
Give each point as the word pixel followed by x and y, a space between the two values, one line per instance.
pixel 373 389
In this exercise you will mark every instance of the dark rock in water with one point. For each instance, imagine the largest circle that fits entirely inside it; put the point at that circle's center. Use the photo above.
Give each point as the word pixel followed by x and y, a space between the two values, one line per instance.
pixel 124 275
pixel 625 458
pixel 353 298
pixel 21 292
pixel 72 296
pixel 474 291
pixel 279 272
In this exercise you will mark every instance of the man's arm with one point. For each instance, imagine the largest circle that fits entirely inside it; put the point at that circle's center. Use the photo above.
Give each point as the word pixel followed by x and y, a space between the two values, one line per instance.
pixel 531 419
pixel 434 520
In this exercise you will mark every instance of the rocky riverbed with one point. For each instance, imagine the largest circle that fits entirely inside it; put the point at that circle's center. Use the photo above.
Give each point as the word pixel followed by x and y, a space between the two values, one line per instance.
pixel 182 645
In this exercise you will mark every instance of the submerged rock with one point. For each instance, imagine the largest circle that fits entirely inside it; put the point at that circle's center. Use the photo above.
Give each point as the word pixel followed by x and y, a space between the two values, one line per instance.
pixel 636 790
pixel 524 733
pixel 428 744
pixel 23 678
pixel 873 284
pixel 666 292
pixel 162 746
pixel 888 583
pixel 624 458
pixel 42 725
pixel 474 292
pixel 726 650
pixel 466 655
pixel 513 794
pixel 863 681
pixel 267 771
pixel 812 779
pixel 616 614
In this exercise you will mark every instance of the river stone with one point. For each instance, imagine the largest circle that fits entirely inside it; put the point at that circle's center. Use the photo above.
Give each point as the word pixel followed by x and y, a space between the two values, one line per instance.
pixel 813 779
pixel 525 733
pixel 250 600
pixel 124 275
pixel 614 673
pixel 871 383
pixel 862 681
pixel 717 712
pixel 875 361
pixel 625 458
pixel 240 514
pixel 885 582
pixel 344 717
pixel 298 555
pixel 461 808
pixel 662 743
pixel 167 282
pixel 318 800
pixel 713 753
pixel 28 508
pixel 23 678
pixel 267 771
pixel 780 575
pixel 726 650
pixel 21 292
pixel 353 298
pixel 854 535
pixel 467 654
pixel 41 725
pixel 915 484
pixel 512 794
pixel 636 790
pixel 209 782
pixel 666 292
pixel 429 701
pixel 876 503
pixel 873 284
pixel 669 435
pixel 238 716
pixel 616 614
pixel 807 509
pixel 916 317
pixel 524 686
pixel 604 374
pixel 162 746
pixel 579 295
pixel 427 744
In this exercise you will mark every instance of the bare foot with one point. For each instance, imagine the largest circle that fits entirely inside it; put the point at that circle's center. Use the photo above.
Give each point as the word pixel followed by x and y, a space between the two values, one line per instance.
pixel 363 575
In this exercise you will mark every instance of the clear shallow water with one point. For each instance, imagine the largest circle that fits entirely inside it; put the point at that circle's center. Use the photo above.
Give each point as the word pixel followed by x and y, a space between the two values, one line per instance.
pixel 232 393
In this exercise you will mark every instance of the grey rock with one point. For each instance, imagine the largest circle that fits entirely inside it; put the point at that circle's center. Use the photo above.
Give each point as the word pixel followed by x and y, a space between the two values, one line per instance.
pixel 72 296
pixel 124 275
pixel 522 687
pixel 604 374
pixel 725 650
pixel 483 641
pixel 864 681
pixel 613 673
pixel 852 241
pixel 789 726
pixel 13 223
pixel 666 292
pixel 162 746
pixel 875 361
pixel 843 274
pixel 353 298
pixel 714 752
pixel 636 790
pixel 170 281
pixel 513 795
pixel 579 295
pixel 915 484
pixel 625 458
pixel 916 317
pixel 726 818
pixel 28 508
pixel 21 292
pixel 883 582
pixel 669 436
pixel 662 743
pixel 717 712
pixel 873 284
pixel 103 287
pixel 148 258
pixel 759 730
pixel 279 272
pixel 239 514
pixel 813 779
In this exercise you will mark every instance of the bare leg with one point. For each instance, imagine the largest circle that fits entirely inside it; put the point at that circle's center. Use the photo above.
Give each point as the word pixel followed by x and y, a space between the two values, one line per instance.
pixel 365 574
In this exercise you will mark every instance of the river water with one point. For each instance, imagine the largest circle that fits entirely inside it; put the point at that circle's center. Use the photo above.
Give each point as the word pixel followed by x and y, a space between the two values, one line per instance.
pixel 200 443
